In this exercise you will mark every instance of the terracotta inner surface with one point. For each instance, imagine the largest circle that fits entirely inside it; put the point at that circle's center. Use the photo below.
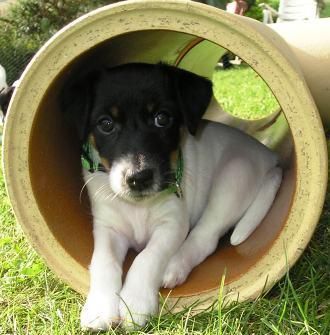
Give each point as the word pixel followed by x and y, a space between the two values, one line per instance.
pixel 56 179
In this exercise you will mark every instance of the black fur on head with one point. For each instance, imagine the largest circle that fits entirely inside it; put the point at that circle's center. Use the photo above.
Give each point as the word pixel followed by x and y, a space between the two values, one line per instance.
pixel 189 92
pixel 137 110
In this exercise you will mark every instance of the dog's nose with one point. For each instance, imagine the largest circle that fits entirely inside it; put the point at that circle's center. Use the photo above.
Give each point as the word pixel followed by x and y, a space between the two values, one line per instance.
pixel 141 180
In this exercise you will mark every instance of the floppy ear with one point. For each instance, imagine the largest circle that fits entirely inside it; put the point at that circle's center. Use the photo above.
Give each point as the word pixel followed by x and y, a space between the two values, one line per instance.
pixel 194 94
pixel 77 98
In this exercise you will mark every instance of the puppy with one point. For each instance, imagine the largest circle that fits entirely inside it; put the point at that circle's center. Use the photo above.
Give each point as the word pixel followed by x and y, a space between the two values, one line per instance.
pixel 5 92
pixel 3 87
pixel 160 181
pixel 3 76
pixel 5 96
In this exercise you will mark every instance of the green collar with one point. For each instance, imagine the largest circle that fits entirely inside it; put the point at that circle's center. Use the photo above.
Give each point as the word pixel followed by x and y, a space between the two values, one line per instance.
pixel 90 160
pixel 176 188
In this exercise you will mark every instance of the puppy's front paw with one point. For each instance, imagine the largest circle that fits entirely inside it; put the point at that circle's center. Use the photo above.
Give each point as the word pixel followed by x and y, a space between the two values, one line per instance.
pixel 136 306
pixel 176 272
pixel 100 313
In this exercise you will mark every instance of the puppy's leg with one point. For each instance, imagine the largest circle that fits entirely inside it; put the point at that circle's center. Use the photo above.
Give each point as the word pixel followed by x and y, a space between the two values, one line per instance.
pixel 101 310
pixel 259 207
pixel 233 191
pixel 139 296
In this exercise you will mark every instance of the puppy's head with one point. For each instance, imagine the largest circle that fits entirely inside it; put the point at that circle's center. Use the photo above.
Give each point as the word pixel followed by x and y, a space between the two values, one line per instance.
pixel 133 114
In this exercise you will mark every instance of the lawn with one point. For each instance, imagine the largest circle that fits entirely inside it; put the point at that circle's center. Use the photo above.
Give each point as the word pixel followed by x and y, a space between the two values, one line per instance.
pixel 326 9
pixel 34 301
pixel 243 93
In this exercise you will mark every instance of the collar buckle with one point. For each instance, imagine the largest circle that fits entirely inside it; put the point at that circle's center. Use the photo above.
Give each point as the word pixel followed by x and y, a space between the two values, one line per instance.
pixel 178 190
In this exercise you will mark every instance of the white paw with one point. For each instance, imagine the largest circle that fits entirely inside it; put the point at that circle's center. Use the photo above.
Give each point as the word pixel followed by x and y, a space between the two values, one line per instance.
pixel 176 272
pixel 236 239
pixel 100 312
pixel 136 306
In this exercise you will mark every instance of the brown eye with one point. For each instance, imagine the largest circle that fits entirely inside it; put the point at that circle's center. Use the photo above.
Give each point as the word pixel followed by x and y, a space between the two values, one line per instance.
pixel 163 119
pixel 105 125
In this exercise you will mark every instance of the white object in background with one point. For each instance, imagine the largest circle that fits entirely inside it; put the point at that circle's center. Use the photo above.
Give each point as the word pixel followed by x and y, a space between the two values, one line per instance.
pixel 296 10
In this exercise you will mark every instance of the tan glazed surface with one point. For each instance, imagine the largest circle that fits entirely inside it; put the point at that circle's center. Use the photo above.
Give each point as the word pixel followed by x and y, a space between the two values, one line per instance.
pixel 45 184
pixel 310 42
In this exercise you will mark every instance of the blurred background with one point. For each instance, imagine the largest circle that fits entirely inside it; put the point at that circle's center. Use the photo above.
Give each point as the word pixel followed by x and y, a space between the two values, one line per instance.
pixel 25 25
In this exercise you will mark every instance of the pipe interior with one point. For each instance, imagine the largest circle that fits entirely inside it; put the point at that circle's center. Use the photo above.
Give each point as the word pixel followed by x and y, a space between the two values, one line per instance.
pixel 55 163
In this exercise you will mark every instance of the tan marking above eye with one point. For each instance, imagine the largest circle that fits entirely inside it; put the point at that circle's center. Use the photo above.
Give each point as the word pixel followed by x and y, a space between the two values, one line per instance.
pixel 174 158
pixel 106 163
pixel 114 110
pixel 150 107
pixel 92 140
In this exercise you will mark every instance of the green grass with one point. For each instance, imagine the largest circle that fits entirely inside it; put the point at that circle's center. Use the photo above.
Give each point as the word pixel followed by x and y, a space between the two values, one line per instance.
pixel 326 10
pixel 33 301
pixel 241 92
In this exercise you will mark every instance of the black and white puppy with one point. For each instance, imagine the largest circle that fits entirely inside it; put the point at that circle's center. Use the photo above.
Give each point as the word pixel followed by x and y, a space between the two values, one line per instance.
pixel 160 181
pixel 3 78
pixel 5 96
pixel 3 89
pixel 6 92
